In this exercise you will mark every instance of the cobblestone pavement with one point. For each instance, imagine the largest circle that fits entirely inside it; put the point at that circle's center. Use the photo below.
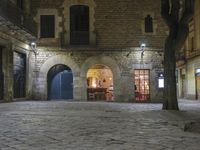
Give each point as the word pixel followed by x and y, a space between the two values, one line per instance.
pixel 64 125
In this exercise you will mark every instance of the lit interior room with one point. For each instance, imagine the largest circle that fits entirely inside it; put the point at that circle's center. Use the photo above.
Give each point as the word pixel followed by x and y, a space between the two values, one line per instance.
pixel 100 83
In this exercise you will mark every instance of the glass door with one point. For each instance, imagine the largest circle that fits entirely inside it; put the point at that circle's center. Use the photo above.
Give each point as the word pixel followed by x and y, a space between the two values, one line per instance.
pixel 142 81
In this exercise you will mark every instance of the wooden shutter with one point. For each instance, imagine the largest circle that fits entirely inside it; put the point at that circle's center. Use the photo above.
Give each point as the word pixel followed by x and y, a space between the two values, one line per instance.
pixel 47 26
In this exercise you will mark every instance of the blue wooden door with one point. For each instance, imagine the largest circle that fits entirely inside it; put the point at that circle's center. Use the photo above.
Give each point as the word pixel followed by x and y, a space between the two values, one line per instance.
pixel 67 85
pixel 62 86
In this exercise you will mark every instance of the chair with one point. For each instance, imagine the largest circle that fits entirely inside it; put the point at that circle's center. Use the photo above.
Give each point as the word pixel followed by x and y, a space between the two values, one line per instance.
pixel 91 96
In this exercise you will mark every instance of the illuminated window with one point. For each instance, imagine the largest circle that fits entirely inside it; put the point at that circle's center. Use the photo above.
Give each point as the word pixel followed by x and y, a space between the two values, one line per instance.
pixel 142 82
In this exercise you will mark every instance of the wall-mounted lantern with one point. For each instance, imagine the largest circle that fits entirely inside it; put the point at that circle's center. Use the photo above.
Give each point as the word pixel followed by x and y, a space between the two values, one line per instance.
pixel 142 46
pixel 33 47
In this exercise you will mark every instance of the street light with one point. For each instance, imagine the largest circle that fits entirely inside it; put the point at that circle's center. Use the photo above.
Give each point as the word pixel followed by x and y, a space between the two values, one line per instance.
pixel 33 47
pixel 142 46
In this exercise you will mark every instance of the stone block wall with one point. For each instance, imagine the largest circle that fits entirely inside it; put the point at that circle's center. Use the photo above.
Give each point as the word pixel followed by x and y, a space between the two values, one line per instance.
pixel 122 68
pixel 117 27
pixel 117 24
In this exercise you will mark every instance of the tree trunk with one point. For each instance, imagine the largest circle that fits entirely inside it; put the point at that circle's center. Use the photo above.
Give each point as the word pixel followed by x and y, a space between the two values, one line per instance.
pixel 171 102
pixel 177 22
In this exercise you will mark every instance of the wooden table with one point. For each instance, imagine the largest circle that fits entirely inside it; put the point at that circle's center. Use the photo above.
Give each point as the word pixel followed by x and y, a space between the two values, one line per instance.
pixel 96 93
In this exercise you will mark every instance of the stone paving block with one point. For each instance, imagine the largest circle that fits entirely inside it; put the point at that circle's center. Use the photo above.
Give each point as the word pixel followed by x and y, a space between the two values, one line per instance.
pixel 97 125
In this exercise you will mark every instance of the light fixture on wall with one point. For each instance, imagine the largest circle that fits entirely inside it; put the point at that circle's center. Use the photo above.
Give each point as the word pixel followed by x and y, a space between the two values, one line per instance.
pixel 142 46
pixel 33 47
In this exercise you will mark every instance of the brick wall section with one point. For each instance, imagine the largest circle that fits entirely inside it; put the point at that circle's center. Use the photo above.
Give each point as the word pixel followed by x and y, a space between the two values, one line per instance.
pixel 126 65
pixel 118 23
pixel 118 27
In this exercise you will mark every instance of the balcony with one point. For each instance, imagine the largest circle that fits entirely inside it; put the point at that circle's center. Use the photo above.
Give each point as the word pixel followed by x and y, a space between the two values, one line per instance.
pixel 79 38
pixel 9 12
pixel 192 53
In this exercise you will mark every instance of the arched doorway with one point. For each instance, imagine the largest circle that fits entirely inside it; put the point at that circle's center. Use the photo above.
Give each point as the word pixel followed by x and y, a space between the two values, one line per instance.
pixel 19 75
pixel 100 83
pixel 60 83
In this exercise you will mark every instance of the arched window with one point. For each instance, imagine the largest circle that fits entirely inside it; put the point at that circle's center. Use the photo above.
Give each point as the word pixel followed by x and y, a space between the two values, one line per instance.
pixel 79 25
pixel 148 24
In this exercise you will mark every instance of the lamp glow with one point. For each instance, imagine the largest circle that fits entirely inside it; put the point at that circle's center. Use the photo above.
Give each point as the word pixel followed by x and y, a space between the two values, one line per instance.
pixel 143 45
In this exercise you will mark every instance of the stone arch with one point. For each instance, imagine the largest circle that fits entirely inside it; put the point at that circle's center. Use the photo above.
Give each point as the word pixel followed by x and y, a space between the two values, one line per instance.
pixel 102 60
pixel 66 12
pixel 48 64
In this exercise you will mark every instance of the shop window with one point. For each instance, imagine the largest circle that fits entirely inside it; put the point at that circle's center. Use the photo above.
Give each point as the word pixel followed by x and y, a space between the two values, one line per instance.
pixel 142 83
pixel 79 25
pixel 47 26
pixel 148 24
pixel 197 78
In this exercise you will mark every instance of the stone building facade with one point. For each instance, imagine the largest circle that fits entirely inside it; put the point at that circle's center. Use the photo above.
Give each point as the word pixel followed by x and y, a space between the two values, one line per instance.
pixel 124 36
pixel 116 32
pixel 17 30
pixel 188 65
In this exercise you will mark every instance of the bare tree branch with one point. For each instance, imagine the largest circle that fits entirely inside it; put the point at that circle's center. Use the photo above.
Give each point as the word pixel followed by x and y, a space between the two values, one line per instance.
pixel 188 12
pixel 175 10
pixel 183 29
pixel 165 11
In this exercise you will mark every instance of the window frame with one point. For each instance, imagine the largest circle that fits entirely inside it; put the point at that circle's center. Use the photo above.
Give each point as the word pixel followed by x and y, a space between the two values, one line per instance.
pixel 148 24
pixel 79 35
pixel 53 34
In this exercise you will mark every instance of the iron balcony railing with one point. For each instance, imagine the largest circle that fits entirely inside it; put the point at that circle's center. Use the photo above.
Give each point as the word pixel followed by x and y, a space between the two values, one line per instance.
pixel 192 53
pixel 18 17
pixel 79 37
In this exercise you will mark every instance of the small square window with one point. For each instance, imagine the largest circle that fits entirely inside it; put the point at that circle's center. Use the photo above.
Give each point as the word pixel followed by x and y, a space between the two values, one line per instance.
pixel 47 26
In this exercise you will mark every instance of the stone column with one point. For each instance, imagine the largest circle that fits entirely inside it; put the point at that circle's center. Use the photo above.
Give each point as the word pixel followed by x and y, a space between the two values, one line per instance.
pixel 8 73
pixel 126 86
pixel 83 88
pixel 78 84
pixel 29 75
